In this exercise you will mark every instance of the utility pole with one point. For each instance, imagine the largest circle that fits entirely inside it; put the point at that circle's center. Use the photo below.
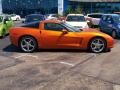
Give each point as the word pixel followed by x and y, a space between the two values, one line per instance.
pixel 91 7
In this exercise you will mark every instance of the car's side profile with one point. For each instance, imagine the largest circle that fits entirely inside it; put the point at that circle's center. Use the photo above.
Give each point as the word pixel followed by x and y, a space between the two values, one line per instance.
pixel 50 34
pixel 110 23
pixel 5 23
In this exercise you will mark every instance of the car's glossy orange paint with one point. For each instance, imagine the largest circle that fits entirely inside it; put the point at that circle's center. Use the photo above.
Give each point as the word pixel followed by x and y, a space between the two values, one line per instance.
pixel 48 39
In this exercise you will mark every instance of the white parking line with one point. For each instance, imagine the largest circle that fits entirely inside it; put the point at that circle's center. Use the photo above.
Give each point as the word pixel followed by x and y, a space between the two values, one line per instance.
pixel 26 55
pixel 116 87
pixel 19 56
pixel 66 63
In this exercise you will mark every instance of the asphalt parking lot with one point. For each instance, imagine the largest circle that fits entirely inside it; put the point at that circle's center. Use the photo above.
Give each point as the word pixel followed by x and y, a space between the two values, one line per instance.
pixel 58 69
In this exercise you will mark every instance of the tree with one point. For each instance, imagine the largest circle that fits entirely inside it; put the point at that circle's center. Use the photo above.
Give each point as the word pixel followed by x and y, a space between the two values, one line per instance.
pixel 78 10
pixel 69 10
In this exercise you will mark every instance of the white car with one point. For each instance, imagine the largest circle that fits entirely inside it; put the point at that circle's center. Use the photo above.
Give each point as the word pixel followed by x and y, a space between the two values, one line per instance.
pixel 77 20
pixel 15 17
pixel 51 17
pixel 94 18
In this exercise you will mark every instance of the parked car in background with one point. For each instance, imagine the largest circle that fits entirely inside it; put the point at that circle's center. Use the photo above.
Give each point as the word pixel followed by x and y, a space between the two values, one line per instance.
pixel 5 24
pixel 76 20
pixel 15 17
pixel 94 19
pixel 53 34
pixel 52 17
pixel 62 18
pixel 117 13
pixel 34 17
pixel 110 23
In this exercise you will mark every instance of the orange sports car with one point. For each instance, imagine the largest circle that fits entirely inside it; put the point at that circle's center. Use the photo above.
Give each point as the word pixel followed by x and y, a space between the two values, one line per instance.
pixel 50 34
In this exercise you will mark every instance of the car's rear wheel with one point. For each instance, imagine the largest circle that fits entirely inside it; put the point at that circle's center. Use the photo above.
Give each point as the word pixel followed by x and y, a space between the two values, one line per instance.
pixel 114 34
pixel 97 45
pixel 28 44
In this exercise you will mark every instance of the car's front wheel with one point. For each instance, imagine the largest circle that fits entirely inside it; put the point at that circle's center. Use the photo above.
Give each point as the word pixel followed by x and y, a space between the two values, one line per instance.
pixel 28 44
pixel 97 45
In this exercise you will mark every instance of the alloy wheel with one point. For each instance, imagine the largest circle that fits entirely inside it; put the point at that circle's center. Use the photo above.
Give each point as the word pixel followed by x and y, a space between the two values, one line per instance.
pixel 97 45
pixel 28 44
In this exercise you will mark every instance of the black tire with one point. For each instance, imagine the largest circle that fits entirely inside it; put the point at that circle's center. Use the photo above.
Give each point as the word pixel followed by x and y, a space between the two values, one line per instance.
pixel 32 46
pixel 114 34
pixel 91 45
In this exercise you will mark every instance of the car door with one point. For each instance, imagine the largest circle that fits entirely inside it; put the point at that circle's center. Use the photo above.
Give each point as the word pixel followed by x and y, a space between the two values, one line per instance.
pixel 8 23
pixel 103 23
pixel 54 36
pixel 109 24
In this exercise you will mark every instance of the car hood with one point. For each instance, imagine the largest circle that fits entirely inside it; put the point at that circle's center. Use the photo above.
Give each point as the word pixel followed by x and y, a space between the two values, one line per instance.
pixel 78 24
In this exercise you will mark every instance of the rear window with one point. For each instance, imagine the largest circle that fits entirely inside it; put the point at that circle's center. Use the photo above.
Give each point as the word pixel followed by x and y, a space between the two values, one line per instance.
pixel 95 16
pixel 75 18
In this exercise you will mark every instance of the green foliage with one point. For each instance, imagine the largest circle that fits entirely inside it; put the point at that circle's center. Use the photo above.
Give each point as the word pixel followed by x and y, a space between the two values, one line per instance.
pixel 69 10
pixel 78 10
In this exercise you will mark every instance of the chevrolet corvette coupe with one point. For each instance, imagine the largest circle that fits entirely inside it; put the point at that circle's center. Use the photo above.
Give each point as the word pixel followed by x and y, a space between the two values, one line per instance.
pixel 51 34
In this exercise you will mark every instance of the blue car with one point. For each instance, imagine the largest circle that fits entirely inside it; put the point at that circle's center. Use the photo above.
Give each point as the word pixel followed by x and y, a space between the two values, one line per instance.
pixel 110 24
pixel 33 18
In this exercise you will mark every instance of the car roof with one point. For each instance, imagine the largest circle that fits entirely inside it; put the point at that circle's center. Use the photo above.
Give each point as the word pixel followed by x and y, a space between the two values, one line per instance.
pixel 75 15
pixel 111 14
pixel 95 14
pixel 51 21
pixel 35 15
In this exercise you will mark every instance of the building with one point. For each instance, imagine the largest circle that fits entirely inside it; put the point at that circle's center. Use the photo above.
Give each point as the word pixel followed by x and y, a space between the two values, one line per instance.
pixel 25 7
pixel 0 7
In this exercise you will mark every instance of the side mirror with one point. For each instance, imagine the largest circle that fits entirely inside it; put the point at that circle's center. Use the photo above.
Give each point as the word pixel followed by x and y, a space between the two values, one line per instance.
pixel 64 31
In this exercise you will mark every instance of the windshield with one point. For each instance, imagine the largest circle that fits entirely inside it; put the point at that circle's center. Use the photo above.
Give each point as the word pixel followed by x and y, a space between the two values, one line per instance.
pixel 116 18
pixel 13 15
pixel 76 18
pixel 33 18
pixel 69 27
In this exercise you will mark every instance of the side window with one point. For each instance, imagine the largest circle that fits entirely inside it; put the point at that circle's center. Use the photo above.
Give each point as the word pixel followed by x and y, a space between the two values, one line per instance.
pixel 53 26
pixel 104 18
pixel 109 19
pixel 7 18
pixel 54 16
